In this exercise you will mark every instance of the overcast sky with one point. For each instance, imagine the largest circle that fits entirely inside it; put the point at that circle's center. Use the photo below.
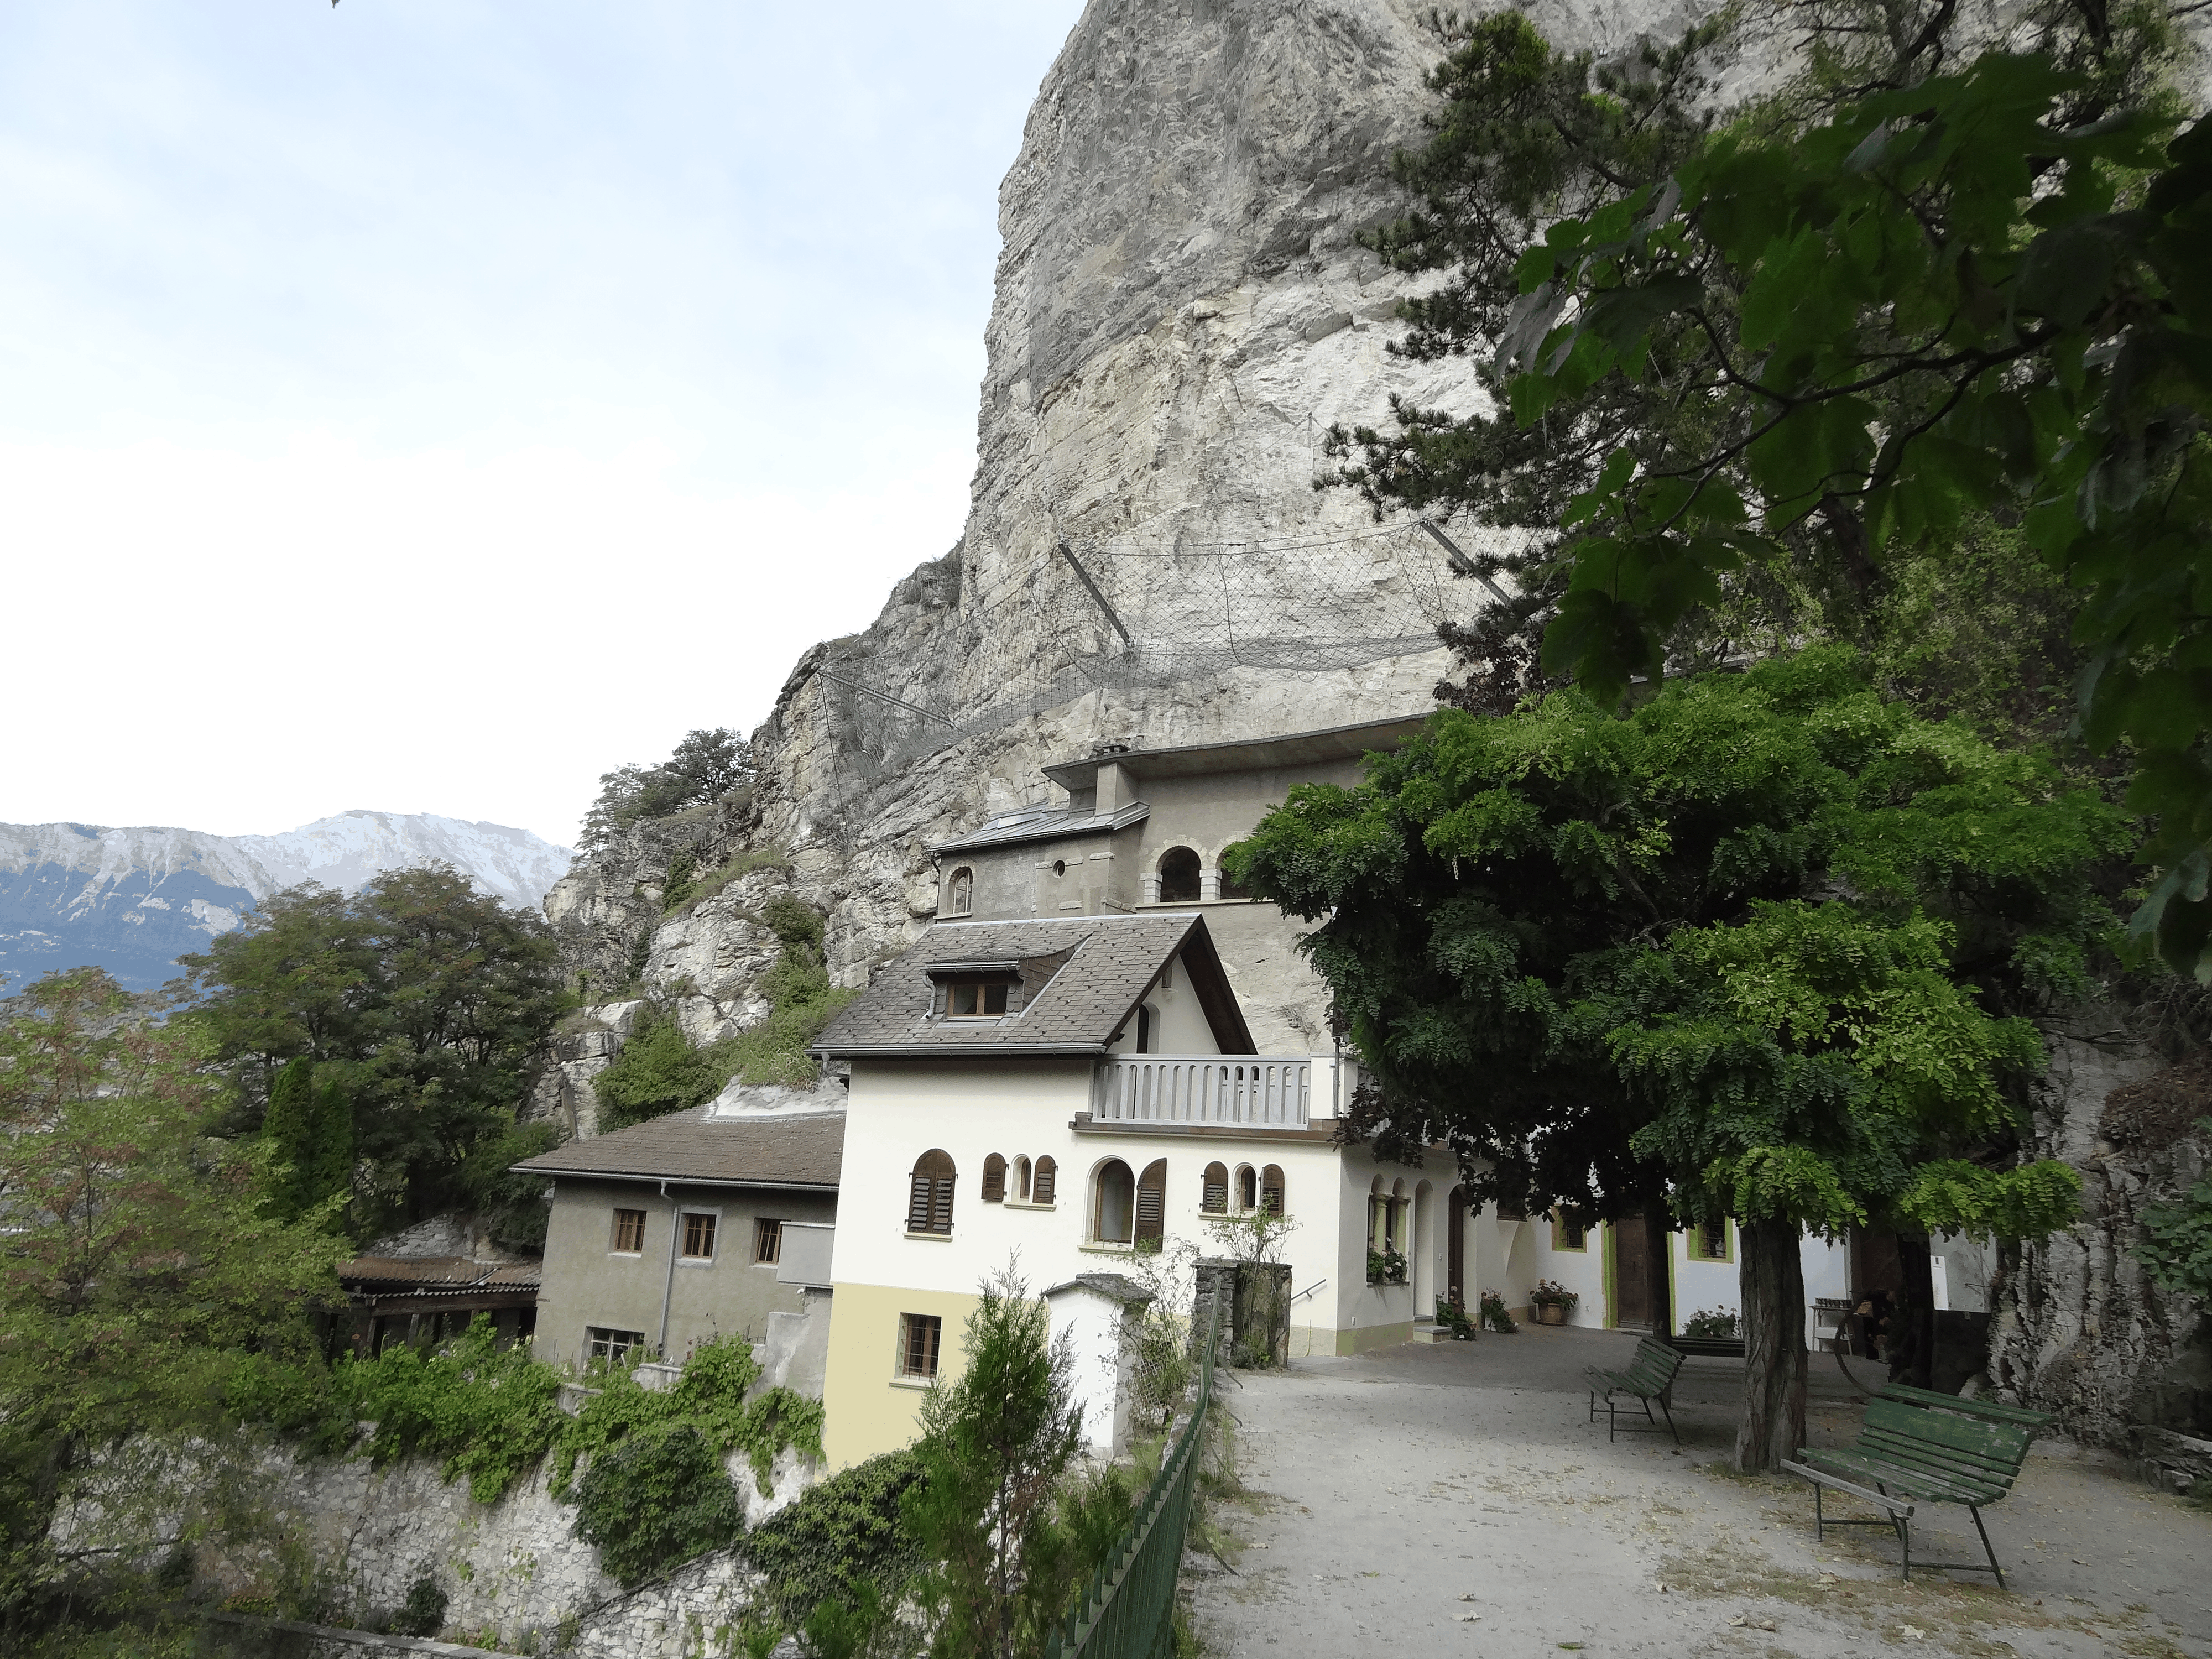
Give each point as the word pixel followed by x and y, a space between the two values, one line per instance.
pixel 430 405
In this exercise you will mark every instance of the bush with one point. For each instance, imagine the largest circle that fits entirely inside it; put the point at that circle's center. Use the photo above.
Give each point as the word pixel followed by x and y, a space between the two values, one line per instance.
pixel 841 1538
pixel 424 1612
pixel 488 1412
pixel 1710 1322
pixel 660 1498
pixel 1494 1317
pixel 513 1207
pixel 658 1071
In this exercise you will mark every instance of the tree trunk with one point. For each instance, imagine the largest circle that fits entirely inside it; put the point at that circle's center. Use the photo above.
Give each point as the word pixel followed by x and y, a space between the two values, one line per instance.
pixel 1918 1314
pixel 1773 1280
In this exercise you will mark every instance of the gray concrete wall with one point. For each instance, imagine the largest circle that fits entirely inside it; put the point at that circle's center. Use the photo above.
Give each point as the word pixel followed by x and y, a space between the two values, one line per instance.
pixel 588 1283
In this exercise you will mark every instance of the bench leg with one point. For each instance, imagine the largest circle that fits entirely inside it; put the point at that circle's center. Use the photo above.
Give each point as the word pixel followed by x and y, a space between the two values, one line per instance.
pixel 1975 1510
pixel 1904 1544
pixel 1669 1410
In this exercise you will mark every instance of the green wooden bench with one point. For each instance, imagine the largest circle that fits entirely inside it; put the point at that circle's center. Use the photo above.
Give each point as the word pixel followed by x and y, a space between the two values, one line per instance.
pixel 1917 1447
pixel 1648 1377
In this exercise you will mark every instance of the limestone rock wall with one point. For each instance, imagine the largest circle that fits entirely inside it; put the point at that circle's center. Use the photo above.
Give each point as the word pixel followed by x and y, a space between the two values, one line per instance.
pixel 2079 1328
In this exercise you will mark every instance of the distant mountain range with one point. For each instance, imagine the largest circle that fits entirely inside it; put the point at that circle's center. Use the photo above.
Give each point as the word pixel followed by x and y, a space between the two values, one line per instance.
pixel 132 901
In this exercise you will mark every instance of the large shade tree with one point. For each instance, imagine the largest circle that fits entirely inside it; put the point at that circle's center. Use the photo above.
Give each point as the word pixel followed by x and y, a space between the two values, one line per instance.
pixel 1762 948
pixel 143 1268
pixel 423 1001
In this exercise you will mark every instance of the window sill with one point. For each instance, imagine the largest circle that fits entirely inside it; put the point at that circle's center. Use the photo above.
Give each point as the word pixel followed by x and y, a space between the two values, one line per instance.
pixel 916 1382
pixel 627 1255
pixel 1025 1204
pixel 1096 1248
pixel 933 1238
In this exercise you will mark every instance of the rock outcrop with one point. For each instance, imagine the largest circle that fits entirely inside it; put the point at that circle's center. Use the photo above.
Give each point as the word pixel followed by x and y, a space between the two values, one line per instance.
pixel 2081 1330
pixel 1181 314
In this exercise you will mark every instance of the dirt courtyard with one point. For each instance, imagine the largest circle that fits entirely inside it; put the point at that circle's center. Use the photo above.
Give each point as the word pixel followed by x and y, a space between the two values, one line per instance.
pixel 1455 1497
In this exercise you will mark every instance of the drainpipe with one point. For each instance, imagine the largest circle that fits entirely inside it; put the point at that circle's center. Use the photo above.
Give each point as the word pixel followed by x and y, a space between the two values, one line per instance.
pixel 675 1221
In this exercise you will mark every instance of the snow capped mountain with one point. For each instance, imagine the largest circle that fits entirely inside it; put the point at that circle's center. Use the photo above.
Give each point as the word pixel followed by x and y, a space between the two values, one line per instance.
pixel 132 901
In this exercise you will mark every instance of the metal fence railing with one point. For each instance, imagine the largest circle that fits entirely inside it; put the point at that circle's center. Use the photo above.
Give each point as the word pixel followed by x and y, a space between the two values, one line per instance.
pixel 1127 1612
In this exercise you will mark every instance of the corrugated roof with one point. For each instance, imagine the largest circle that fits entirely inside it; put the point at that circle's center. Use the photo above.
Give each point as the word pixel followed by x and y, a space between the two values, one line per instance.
pixel 695 1145
pixel 438 1273
pixel 1111 962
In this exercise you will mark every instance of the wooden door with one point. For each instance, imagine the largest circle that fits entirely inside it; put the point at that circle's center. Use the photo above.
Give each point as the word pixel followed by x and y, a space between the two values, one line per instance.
pixel 1631 1273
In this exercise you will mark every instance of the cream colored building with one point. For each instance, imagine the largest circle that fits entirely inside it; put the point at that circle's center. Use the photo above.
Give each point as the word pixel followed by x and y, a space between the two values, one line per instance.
pixel 1057 1093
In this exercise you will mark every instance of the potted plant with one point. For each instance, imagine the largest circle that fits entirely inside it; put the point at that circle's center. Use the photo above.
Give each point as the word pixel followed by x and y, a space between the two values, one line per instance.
pixel 1386 1267
pixel 1494 1315
pixel 1453 1318
pixel 1550 1300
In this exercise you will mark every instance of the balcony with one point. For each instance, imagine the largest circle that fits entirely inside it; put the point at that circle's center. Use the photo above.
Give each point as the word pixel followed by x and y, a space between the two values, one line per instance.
pixel 1231 1090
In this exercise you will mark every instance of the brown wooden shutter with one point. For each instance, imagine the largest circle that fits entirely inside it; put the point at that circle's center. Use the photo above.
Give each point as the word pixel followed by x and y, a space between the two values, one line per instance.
pixel 1214 1198
pixel 1041 1184
pixel 1271 1188
pixel 995 1179
pixel 929 1195
pixel 1152 1201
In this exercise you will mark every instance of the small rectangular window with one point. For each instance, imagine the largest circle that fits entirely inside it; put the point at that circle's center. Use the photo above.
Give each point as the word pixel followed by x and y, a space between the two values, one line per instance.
pixel 918 1340
pixel 613 1346
pixel 1567 1234
pixel 629 1231
pixel 1708 1240
pixel 1509 1209
pixel 768 1240
pixel 972 999
pixel 698 1235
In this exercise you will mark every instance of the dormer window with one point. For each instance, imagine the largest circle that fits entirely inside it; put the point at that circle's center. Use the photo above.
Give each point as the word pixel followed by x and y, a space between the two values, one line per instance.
pixel 974 999
pixel 975 989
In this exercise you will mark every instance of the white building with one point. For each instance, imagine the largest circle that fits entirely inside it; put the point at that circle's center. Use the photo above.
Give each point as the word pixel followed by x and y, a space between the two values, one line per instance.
pixel 1060 1094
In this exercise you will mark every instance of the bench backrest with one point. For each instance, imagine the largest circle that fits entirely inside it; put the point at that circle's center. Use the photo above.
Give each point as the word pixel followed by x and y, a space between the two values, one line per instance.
pixel 1990 1411
pixel 1654 1366
pixel 1944 1443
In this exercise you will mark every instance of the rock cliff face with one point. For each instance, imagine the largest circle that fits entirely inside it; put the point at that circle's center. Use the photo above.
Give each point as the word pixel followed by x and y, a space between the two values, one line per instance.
pixel 2081 1330
pixel 1181 313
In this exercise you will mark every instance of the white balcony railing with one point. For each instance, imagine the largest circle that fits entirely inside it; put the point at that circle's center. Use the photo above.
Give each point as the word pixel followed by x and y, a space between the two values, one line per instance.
pixel 1256 1092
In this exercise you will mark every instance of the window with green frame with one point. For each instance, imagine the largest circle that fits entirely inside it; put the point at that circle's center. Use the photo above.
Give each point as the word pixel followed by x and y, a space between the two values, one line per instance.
pixel 1713 1240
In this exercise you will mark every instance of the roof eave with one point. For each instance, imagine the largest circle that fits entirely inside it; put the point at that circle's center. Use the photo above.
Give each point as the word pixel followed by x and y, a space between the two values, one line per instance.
pixel 680 1176
pixel 954 1050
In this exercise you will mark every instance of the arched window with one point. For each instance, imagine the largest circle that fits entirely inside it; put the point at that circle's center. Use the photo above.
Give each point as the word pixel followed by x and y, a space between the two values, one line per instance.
pixel 1021 1179
pixel 929 1198
pixel 1213 1190
pixel 1247 1189
pixel 1048 1173
pixel 1153 1203
pixel 960 892
pixel 1271 1190
pixel 1112 1207
pixel 1231 888
pixel 1179 872
pixel 995 1179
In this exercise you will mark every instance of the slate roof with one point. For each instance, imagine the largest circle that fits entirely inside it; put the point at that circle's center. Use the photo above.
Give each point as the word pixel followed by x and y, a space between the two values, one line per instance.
pixel 1043 823
pixel 699 1146
pixel 1111 961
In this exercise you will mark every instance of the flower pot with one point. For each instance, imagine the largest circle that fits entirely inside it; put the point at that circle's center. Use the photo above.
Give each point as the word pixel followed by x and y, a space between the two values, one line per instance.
pixel 1551 1314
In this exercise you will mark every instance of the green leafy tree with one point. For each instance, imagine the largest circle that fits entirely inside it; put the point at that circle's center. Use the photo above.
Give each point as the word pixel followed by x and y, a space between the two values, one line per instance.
pixel 995 1446
pixel 309 1128
pixel 1761 948
pixel 143 1268
pixel 421 999
pixel 705 766
pixel 1741 374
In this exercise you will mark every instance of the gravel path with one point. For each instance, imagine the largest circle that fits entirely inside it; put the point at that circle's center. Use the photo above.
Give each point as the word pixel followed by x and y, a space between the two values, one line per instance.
pixel 1456 1497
